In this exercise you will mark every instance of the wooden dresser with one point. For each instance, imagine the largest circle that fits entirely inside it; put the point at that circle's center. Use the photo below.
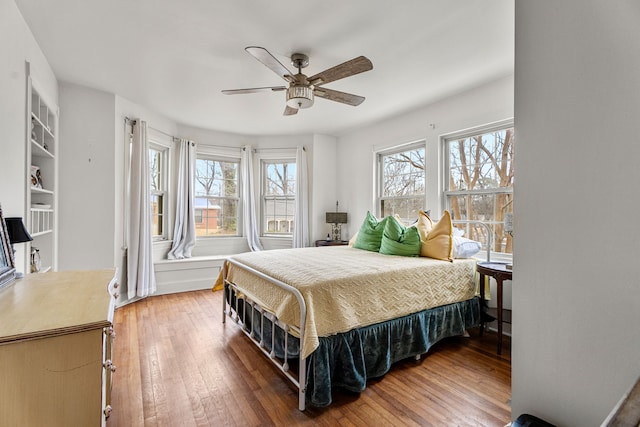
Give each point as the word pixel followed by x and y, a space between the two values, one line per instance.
pixel 56 331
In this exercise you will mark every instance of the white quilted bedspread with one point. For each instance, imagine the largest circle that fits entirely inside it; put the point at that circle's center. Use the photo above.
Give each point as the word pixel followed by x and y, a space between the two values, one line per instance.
pixel 345 288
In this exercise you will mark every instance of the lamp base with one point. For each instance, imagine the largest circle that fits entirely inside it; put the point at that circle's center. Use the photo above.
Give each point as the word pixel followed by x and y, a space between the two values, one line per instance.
pixel 336 232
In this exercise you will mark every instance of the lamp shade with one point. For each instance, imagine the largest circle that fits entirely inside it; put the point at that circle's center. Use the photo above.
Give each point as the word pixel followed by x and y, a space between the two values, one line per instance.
pixel 17 231
pixel 299 96
pixel 336 218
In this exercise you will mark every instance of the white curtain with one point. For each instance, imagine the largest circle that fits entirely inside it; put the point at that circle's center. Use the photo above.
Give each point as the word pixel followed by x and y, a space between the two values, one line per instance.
pixel 184 232
pixel 141 280
pixel 301 220
pixel 251 229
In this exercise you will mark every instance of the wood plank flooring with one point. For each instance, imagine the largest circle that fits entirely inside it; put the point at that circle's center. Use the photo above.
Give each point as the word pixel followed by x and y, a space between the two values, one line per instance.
pixel 178 365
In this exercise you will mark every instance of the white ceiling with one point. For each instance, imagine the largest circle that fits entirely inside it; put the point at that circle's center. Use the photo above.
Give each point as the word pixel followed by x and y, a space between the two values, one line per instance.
pixel 175 56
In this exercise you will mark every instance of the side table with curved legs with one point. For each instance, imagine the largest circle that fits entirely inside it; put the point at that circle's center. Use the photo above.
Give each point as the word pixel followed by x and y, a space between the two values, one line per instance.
pixel 500 272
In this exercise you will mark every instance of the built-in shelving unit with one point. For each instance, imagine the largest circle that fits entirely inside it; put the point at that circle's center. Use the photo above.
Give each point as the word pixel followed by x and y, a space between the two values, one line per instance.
pixel 42 179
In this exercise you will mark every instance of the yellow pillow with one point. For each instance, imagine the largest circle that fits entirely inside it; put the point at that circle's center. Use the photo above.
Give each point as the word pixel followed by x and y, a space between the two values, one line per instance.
pixel 437 239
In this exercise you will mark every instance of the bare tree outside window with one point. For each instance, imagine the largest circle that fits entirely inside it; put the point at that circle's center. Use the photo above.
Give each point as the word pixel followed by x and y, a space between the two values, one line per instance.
pixel 480 185
pixel 216 197
pixel 403 182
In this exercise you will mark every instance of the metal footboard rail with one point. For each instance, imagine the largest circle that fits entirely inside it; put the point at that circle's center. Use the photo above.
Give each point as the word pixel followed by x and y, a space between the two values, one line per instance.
pixel 234 289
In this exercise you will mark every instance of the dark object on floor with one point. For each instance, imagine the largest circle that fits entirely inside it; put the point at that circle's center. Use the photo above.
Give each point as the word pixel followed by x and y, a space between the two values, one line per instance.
pixel 526 420
pixel 486 317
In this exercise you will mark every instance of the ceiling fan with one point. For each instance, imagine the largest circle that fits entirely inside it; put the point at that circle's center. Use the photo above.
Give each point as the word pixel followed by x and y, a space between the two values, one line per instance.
pixel 302 89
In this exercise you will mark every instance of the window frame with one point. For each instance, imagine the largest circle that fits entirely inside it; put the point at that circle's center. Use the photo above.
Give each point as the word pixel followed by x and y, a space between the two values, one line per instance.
pixel 263 162
pixel 208 153
pixel 447 193
pixel 165 156
pixel 379 167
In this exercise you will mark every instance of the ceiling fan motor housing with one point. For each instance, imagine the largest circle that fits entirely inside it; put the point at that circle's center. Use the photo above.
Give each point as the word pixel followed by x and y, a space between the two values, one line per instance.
pixel 299 60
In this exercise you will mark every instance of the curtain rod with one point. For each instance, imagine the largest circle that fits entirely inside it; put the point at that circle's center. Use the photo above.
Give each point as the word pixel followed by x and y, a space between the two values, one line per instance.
pixel 175 139
pixel 255 150
pixel 133 121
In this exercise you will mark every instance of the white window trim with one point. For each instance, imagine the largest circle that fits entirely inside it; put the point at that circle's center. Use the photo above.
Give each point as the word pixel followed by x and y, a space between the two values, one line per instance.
pixel 465 133
pixel 165 147
pixel 377 167
pixel 443 147
pixel 276 155
pixel 225 154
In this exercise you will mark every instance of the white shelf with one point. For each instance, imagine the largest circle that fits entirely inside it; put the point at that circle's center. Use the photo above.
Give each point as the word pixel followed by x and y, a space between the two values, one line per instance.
pixel 42 146
pixel 41 190
pixel 41 133
pixel 38 150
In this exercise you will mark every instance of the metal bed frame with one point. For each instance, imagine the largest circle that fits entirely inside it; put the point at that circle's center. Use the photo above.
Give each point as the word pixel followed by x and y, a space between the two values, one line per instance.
pixel 231 311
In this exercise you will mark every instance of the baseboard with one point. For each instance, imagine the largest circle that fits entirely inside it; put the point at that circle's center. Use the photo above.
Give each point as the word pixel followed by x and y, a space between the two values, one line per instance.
pixel 185 275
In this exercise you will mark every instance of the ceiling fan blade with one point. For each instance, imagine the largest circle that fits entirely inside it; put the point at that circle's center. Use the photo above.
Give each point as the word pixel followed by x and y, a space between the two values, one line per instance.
pixel 254 90
pixel 334 95
pixel 264 56
pixel 355 66
pixel 290 111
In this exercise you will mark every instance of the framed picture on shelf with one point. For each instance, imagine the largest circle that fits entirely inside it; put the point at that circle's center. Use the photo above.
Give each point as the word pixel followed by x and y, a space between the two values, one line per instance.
pixel 7 264
pixel 36 177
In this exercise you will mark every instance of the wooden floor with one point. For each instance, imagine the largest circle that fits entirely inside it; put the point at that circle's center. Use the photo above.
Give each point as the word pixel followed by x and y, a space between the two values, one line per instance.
pixel 178 365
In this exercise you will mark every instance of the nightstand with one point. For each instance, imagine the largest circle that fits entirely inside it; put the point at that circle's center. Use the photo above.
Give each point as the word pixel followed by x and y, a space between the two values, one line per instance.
pixel 499 271
pixel 332 242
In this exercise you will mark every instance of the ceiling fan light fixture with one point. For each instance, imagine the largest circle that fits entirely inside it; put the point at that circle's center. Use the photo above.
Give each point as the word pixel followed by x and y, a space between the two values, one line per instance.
pixel 299 96
pixel 301 90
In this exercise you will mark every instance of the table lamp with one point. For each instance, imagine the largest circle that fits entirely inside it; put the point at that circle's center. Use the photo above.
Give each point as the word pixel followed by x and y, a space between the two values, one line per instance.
pixel 17 234
pixel 336 219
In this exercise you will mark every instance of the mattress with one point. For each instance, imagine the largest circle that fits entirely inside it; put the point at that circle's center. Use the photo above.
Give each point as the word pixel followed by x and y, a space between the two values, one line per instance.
pixel 346 288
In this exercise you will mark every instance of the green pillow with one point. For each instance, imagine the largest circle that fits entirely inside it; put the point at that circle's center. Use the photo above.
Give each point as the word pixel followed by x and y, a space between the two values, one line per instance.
pixel 370 234
pixel 400 240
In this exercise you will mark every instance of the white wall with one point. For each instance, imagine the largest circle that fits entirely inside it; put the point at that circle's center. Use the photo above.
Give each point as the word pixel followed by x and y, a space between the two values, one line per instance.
pixel 86 178
pixel 17 45
pixel 576 296
pixel 324 192
pixel 486 104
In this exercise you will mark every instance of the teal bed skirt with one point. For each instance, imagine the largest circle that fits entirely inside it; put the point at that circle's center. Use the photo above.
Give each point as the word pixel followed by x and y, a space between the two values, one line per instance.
pixel 347 360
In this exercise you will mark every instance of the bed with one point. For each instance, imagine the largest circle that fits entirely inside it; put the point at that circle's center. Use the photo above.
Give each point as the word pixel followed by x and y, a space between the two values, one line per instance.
pixel 333 317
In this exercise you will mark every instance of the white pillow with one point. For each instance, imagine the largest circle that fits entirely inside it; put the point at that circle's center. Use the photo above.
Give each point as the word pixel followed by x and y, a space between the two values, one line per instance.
pixel 458 232
pixel 465 248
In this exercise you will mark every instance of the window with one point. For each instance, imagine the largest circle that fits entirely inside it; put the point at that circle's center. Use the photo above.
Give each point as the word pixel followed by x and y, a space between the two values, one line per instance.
pixel 217 197
pixel 278 197
pixel 158 156
pixel 402 181
pixel 479 185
